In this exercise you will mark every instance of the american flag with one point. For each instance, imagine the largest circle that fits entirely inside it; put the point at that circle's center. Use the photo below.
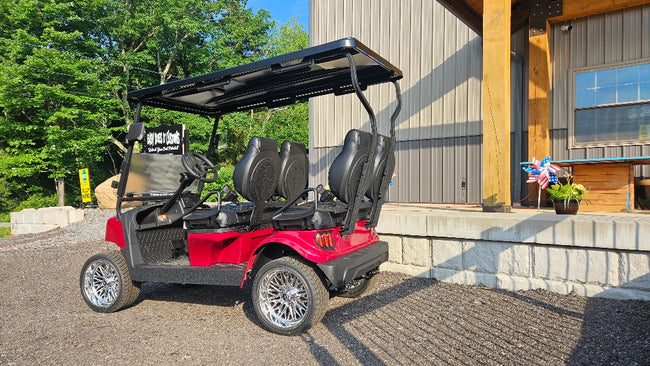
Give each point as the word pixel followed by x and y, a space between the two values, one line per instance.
pixel 542 172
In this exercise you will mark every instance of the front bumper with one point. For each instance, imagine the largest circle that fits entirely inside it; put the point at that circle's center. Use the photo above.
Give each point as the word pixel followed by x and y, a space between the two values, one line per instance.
pixel 345 268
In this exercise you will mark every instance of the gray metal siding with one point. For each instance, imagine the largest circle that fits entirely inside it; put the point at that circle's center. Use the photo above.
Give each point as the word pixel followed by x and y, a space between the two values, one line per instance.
pixel 595 40
pixel 439 128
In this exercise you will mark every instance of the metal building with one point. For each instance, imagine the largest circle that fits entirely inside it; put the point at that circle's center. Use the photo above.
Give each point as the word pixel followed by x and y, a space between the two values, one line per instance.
pixel 440 130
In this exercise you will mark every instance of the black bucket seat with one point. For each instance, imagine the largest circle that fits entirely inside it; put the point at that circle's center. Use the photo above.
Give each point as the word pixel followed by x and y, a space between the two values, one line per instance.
pixel 256 178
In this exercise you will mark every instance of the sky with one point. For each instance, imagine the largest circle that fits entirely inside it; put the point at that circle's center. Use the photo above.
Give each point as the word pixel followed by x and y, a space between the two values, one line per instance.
pixel 282 10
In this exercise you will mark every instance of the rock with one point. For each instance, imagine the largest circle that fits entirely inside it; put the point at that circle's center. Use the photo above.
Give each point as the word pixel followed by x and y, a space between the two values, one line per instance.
pixel 106 195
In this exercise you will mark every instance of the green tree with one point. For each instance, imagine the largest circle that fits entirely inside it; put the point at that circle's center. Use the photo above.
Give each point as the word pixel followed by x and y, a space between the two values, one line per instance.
pixel 66 68
pixel 283 123
pixel 54 104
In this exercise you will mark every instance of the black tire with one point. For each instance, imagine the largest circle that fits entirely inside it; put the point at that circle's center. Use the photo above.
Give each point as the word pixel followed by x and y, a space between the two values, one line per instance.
pixel 357 287
pixel 106 284
pixel 289 296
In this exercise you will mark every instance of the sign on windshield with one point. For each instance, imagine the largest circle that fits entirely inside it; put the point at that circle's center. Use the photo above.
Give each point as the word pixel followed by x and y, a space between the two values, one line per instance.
pixel 165 139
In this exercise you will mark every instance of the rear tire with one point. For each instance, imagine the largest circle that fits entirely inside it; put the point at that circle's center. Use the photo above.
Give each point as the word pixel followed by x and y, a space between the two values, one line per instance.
pixel 289 296
pixel 106 284
pixel 357 287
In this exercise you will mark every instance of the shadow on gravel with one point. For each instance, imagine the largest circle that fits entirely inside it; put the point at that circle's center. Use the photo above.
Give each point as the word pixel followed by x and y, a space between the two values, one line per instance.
pixel 227 296
pixel 613 322
pixel 336 319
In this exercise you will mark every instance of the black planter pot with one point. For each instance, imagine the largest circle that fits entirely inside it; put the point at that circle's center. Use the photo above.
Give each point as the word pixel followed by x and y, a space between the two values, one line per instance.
pixel 571 208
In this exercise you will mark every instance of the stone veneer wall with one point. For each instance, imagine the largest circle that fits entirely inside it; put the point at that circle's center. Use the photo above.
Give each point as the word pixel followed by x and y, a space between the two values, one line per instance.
pixel 589 255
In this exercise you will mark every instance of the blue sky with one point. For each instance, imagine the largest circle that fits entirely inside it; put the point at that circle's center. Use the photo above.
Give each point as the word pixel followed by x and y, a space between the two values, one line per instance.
pixel 282 10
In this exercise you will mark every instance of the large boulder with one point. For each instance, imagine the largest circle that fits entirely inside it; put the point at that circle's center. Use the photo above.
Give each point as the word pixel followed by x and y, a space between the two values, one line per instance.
pixel 106 195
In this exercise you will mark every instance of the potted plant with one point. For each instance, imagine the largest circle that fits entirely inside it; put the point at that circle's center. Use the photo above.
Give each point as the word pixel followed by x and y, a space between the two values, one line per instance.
pixel 566 197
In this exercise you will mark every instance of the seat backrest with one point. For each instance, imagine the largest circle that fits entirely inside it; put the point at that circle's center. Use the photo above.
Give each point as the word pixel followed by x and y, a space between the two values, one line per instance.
pixel 345 171
pixel 294 169
pixel 256 174
pixel 381 162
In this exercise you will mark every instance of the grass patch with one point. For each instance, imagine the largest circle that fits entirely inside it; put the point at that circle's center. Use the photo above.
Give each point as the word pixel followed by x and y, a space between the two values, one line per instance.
pixel 5 231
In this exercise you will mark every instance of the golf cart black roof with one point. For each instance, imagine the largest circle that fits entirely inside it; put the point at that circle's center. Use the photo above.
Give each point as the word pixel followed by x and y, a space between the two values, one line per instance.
pixel 274 82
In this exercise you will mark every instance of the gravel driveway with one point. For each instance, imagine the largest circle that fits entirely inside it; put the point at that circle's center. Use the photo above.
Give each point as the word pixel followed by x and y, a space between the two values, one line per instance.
pixel 402 320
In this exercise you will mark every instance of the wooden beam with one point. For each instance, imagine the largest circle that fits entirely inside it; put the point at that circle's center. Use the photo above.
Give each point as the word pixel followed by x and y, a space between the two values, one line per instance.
pixel 464 12
pixel 539 86
pixel 496 105
pixel 572 9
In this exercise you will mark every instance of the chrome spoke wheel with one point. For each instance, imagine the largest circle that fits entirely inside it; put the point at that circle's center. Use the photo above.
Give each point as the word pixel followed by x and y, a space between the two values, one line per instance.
pixel 106 284
pixel 289 295
pixel 101 283
pixel 283 297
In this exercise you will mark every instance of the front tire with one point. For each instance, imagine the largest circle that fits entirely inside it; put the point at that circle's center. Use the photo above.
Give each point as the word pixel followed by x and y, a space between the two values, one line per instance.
pixel 289 296
pixel 106 284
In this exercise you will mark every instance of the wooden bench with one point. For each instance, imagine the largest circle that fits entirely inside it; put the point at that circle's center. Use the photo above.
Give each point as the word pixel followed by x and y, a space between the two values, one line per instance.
pixel 610 181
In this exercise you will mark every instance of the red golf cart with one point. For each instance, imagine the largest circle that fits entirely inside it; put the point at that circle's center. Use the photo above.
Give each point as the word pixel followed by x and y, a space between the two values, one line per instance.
pixel 299 245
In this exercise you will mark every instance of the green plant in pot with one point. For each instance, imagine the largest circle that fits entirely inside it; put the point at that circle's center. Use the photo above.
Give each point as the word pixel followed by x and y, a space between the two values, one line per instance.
pixel 566 197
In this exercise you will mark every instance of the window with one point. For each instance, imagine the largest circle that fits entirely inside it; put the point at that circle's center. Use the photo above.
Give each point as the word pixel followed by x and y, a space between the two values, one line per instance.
pixel 611 104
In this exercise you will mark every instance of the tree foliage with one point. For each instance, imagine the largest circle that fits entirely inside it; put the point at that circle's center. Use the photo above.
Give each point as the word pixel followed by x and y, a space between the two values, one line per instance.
pixel 67 66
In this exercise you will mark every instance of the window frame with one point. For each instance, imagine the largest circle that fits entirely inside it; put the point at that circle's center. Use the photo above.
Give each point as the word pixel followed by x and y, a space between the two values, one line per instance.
pixel 572 144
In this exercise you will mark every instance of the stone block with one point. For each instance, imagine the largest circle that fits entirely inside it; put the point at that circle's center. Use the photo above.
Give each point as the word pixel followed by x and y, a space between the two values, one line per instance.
pixel 448 275
pixel 598 267
pixel 27 216
pixel 550 262
pixel 404 223
pixel 75 215
pixel 635 270
pixel 515 259
pixel 518 283
pixel 53 216
pixel 642 242
pixel 482 256
pixel 394 247
pixel 583 289
pixel 481 279
pixel 626 235
pixel 416 251
pixel 447 254
pixel 415 271
pixel 465 277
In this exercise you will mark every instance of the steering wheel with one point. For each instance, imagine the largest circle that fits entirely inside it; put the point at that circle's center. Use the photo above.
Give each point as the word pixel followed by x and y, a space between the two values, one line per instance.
pixel 199 167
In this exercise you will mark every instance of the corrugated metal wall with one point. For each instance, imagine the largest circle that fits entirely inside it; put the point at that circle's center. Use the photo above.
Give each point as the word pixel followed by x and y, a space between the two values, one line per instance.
pixel 595 40
pixel 439 128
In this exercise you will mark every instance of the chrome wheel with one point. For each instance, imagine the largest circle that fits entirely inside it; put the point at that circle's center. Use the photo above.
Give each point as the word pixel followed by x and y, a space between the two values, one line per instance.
pixel 283 298
pixel 289 295
pixel 101 283
pixel 106 284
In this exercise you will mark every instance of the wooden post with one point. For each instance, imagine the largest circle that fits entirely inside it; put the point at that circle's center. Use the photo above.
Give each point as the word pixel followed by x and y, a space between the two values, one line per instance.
pixel 539 86
pixel 496 105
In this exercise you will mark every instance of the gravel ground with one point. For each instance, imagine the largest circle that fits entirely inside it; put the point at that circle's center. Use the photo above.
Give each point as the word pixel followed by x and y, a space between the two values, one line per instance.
pixel 402 320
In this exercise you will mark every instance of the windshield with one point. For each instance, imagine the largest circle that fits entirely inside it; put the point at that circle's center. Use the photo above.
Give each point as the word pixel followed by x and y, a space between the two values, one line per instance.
pixel 153 174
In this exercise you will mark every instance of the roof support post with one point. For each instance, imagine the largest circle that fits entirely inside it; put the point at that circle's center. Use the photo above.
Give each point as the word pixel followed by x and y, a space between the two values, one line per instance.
pixel 496 105
pixel 539 86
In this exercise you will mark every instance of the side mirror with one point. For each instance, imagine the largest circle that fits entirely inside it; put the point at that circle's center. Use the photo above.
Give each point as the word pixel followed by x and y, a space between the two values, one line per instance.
pixel 136 133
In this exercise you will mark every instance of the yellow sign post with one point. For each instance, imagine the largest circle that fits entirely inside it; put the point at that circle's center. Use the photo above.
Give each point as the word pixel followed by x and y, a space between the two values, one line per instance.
pixel 84 181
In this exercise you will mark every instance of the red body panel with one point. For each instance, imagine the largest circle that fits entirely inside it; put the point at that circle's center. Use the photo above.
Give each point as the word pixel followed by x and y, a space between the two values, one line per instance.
pixel 235 247
pixel 303 242
pixel 230 247
pixel 114 232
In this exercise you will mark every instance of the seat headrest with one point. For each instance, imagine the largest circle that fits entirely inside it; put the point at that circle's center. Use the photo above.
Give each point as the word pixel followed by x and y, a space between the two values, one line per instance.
pixel 256 174
pixel 294 169
pixel 345 171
